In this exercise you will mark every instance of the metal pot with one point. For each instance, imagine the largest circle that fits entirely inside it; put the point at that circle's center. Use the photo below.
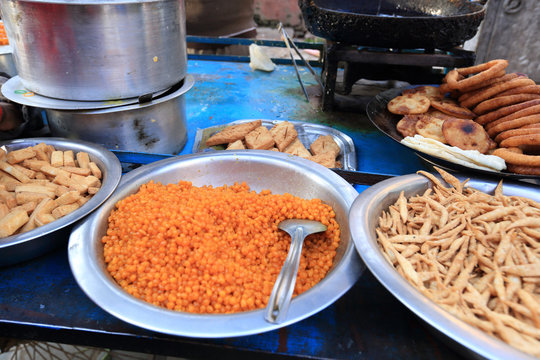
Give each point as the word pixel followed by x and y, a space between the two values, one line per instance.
pixel 158 126
pixel 97 50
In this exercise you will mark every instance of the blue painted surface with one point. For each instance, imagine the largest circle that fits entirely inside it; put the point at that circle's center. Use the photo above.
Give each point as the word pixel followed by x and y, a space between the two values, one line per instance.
pixel 39 299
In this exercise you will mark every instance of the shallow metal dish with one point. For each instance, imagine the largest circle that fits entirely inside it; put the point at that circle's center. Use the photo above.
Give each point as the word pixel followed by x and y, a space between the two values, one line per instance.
pixel 260 169
pixel 363 218
pixel 17 248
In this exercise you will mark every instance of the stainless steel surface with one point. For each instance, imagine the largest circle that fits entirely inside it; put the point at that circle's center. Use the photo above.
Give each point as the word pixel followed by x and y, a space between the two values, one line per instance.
pixel 158 126
pixel 307 133
pixel 280 298
pixel 7 66
pixel 17 248
pixel 363 218
pixel 260 169
pixel 97 50
pixel 14 90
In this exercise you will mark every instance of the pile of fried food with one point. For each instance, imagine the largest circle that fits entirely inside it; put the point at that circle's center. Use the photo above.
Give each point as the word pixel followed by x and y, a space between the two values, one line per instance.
pixel 474 254
pixel 480 108
pixel 281 137
pixel 39 184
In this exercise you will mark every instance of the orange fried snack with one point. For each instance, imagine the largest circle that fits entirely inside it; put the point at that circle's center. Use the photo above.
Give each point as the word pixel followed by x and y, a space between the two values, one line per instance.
pixel 212 250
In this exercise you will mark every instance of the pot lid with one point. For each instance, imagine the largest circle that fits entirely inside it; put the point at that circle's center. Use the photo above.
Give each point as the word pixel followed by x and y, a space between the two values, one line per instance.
pixel 14 90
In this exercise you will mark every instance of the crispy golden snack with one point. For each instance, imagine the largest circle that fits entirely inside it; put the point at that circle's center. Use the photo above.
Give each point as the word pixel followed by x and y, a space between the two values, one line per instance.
pixel 430 127
pixel 525 170
pixel 431 92
pixel 480 73
pixel 515 158
pixel 466 134
pixel 517 132
pixel 513 124
pixel 500 101
pixel 531 110
pixel 407 125
pixel 408 104
pixel 504 111
pixel 521 140
pixel 233 133
pixel 527 89
pixel 495 89
pixel 473 254
pixel 452 108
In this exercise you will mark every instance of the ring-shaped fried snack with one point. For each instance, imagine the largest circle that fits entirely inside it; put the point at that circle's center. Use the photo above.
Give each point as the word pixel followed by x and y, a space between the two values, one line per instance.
pixel 482 73
pixel 515 158
pixel 500 101
pixel 486 85
pixel 527 89
pixel 517 132
pixel 521 140
pixel 494 90
pixel 522 169
pixel 513 124
pixel 504 111
pixel 531 110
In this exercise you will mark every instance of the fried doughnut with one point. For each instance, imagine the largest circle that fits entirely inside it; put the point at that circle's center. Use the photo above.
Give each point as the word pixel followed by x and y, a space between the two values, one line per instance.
pixel 494 90
pixel 503 111
pixel 408 104
pixel 466 135
pixel 521 140
pixel 407 125
pixel 513 124
pixel 527 89
pixel 517 132
pixel 452 108
pixel 515 158
pixel 531 110
pixel 482 73
pixel 531 126
pixel 525 170
pixel 486 85
pixel 430 127
pixel 500 101
pixel 431 92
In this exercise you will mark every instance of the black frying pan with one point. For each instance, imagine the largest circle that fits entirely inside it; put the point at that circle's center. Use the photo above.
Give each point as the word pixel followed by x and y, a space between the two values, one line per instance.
pixel 402 24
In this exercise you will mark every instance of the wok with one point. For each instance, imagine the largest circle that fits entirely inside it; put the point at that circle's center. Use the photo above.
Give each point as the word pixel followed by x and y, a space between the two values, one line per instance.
pixel 402 24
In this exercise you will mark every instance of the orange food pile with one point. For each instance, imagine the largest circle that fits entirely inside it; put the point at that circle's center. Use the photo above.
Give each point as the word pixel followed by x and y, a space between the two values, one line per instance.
pixel 212 250
pixel 3 35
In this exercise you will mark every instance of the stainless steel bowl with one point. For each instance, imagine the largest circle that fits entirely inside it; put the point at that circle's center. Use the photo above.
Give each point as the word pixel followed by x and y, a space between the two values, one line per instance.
pixel 157 126
pixel 260 170
pixel 17 248
pixel 363 218
pixel 97 50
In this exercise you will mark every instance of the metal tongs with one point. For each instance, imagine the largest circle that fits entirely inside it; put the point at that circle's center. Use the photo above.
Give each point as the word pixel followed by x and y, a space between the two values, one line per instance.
pixel 289 42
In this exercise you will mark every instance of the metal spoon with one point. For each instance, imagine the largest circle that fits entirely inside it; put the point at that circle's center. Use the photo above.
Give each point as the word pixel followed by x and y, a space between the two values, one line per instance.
pixel 281 295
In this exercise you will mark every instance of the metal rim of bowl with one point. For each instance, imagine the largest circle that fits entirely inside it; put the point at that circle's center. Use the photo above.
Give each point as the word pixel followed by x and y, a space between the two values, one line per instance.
pixel 111 178
pixel 465 335
pixel 95 281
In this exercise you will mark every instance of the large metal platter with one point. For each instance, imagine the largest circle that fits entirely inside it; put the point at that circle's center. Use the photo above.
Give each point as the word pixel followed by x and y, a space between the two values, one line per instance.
pixel 307 133
pixel 14 90
pixel 17 248
pixel 386 122
pixel 363 218
pixel 260 169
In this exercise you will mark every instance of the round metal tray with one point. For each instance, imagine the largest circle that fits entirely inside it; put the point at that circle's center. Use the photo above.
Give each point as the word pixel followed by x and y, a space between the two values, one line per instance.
pixel 363 218
pixel 17 248
pixel 260 169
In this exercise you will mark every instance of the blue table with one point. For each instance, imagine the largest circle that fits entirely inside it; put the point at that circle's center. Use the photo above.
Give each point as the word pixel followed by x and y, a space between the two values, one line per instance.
pixel 39 299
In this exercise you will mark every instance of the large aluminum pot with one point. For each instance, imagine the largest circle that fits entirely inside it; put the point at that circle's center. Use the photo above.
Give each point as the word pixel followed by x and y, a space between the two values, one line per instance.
pixel 157 126
pixel 97 50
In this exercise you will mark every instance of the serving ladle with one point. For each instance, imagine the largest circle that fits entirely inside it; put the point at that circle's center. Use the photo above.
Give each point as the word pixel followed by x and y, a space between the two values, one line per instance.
pixel 281 295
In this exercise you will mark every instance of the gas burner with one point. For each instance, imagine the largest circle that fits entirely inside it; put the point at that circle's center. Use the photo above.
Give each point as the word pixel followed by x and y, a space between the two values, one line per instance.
pixel 415 66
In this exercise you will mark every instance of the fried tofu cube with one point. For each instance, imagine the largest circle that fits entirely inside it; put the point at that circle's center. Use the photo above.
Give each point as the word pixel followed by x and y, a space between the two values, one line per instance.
pixel 57 158
pixel 69 158
pixel 284 134
pixel 68 197
pixel 17 156
pixel 236 145
pixel 325 159
pixel 259 139
pixel 63 210
pixel 232 133
pixel 42 152
pixel 14 220
pixel 17 174
pixel 83 159
pixel 298 149
pixel 95 169
pixel 323 144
